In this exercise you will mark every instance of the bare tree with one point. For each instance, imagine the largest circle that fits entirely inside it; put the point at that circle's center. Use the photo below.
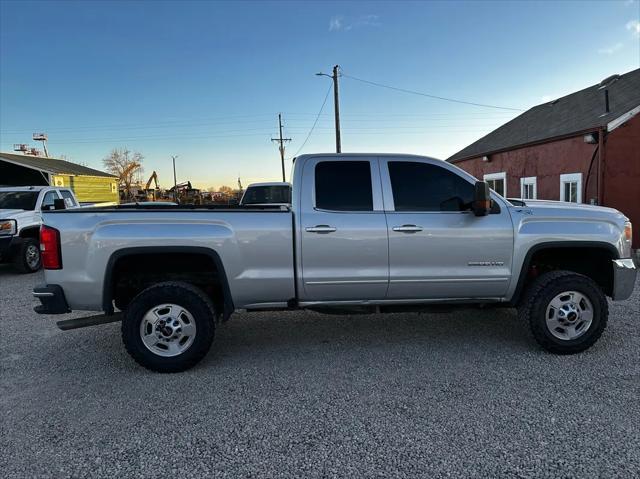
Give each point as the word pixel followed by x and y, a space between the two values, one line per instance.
pixel 125 165
pixel 226 190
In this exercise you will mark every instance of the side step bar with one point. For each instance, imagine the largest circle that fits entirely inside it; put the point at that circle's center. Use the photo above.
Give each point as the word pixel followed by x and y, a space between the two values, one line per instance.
pixel 77 323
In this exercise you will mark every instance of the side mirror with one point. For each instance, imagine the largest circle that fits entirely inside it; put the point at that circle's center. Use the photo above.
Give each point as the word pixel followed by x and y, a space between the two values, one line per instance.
pixel 482 199
pixel 59 204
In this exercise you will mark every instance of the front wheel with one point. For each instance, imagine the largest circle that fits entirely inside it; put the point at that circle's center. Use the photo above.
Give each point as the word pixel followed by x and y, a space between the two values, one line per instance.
pixel 567 312
pixel 28 258
pixel 169 327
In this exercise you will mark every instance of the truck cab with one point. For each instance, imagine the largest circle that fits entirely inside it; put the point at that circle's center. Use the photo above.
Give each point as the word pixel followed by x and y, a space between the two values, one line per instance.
pixel 20 219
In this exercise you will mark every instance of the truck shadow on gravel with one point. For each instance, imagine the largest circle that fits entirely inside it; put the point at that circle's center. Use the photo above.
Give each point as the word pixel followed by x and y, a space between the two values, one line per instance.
pixel 258 337
pixel 255 339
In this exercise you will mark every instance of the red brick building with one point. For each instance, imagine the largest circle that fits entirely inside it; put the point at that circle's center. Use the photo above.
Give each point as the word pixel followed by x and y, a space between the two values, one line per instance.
pixel 584 147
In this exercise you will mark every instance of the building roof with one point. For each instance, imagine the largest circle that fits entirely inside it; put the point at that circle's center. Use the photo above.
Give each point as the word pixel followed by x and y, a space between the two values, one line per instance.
pixel 51 165
pixel 578 112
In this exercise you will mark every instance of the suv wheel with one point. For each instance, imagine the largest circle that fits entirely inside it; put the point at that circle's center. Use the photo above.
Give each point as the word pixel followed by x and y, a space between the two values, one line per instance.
pixel 567 312
pixel 28 258
pixel 169 327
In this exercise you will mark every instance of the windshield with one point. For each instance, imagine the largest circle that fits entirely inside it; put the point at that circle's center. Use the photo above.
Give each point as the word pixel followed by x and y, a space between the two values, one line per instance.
pixel 267 194
pixel 18 200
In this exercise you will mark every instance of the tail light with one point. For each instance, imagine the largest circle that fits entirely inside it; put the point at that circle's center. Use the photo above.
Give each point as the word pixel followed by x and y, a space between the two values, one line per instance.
pixel 50 248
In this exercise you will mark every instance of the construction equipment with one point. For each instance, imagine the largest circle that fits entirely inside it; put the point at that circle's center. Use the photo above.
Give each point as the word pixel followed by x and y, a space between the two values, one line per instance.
pixel 152 194
pixel 184 193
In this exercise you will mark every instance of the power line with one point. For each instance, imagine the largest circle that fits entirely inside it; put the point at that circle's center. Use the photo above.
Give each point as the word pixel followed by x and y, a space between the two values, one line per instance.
pixel 315 122
pixel 404 90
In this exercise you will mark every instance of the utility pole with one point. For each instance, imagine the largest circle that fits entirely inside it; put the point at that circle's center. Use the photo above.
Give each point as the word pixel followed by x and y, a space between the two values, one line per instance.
pixel 336 103
pixel 336 108
pixel 175 183
pixel 281 147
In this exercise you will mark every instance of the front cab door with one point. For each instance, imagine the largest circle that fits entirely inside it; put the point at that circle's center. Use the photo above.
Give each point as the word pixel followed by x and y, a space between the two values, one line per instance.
pixel 438 248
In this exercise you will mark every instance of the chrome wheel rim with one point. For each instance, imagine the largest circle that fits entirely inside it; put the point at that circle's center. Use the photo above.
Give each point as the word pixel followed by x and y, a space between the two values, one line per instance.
pixel 32 256
pixel 569 315
pixel 167 330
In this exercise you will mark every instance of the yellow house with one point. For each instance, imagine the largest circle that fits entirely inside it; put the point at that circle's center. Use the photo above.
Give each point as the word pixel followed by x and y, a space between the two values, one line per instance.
pixel 89 185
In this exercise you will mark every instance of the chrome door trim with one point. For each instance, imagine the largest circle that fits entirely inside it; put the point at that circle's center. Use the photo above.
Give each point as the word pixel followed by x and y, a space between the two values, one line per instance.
pixel 449 280
pixel 355 281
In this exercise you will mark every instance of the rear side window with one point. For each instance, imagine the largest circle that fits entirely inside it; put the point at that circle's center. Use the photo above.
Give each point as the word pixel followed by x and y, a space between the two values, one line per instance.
pixel 426 187
pixel 344 186
pixel 68 198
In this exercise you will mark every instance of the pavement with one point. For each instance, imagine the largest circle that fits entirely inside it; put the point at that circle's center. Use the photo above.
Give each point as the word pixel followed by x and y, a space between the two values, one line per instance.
pixel 300 394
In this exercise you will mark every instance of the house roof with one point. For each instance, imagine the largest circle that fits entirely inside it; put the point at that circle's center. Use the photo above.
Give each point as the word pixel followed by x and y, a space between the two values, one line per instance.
pixel 51 165
pixel 578 112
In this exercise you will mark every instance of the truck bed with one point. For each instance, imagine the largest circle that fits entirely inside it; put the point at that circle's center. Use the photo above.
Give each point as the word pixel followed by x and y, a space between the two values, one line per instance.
pixel 254 246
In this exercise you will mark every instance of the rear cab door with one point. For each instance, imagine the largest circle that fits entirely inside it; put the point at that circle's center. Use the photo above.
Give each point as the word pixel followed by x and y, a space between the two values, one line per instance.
pixel 343 243
pixel 438 249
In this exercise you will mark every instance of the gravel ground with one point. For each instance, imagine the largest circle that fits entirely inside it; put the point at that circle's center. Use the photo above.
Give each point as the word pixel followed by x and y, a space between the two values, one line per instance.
pixel 308 395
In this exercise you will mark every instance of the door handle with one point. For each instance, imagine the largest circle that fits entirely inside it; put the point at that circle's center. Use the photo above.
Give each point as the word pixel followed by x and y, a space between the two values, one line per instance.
pixel 320 229
pixel 407 228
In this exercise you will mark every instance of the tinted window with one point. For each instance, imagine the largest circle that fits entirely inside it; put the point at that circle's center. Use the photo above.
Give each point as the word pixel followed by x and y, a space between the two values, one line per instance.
pixel 344 186
pixel 18 200
pixel 425 187
pixel 49 198
pixel 68 198
pixel 267 194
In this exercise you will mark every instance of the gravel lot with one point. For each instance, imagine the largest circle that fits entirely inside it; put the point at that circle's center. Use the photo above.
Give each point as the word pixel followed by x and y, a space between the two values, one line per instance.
pixel 303 394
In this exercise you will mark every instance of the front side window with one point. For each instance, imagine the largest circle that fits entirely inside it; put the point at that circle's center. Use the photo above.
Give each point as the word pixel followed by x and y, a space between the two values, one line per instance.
pixel 426 187
pixel 49 198
pixel 68 199
pixel 343 186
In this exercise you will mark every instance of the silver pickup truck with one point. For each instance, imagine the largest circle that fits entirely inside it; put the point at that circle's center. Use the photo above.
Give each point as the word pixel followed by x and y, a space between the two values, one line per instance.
pixel 365 232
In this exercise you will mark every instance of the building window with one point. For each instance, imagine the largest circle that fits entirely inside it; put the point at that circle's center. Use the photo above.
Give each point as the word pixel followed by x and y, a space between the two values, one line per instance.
pixel 497 182
pixel 571 187
pixel 528 188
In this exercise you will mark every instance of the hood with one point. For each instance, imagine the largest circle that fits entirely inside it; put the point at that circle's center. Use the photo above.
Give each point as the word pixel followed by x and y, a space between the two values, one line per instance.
pixel 563 209
pixel 11 214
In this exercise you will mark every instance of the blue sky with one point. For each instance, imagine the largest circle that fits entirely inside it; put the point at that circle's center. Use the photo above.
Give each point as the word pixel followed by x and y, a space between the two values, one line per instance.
pixel 206 80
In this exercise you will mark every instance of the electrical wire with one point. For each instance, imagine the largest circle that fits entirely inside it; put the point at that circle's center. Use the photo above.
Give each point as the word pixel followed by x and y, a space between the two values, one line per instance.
pixel 315 122
pixel 404 90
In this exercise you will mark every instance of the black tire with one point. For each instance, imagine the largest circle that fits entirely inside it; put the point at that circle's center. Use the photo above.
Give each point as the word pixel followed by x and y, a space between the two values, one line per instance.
pixel 543 290
pixel 27 257
pixel 184 295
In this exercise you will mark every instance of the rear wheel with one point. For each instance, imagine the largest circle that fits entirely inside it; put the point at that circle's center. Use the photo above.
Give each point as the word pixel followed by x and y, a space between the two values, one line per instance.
pixel 567 312
pixel 27 259
pixel 169 327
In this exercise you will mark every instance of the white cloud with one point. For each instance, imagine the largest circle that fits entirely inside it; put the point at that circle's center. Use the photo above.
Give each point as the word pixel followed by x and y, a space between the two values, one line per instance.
pixel 611 50
pixel 368 21
pixel 340 23
pixel 634 27
pixel 336 23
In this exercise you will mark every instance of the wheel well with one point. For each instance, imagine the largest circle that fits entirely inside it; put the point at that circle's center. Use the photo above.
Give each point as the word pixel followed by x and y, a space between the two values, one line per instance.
pixel 33 232
pixel 592 261
pixel 130 274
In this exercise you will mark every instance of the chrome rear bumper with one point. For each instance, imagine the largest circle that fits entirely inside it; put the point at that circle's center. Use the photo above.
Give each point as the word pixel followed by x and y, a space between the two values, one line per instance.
pixel 624 278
